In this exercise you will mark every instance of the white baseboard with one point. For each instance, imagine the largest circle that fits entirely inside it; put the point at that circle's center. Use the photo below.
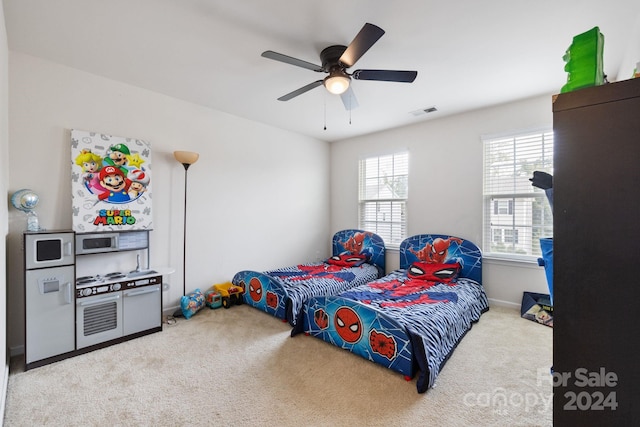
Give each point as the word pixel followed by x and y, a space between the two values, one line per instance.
pixel 506 304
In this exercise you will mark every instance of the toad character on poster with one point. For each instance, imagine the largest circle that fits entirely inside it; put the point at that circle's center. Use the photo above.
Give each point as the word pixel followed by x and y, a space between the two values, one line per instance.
pixel 110 183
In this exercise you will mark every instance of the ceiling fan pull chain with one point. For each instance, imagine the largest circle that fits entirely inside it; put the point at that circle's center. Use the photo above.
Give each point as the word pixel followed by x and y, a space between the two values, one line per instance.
pixel 325 112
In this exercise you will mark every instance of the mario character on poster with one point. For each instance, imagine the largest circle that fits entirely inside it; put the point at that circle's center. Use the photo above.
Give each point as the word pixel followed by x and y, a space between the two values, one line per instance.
pixel 111 183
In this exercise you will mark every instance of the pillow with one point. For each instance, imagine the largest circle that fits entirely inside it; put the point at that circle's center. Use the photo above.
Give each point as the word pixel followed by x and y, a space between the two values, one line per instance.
pixel 347 260
pixel 434 271
pixel 191 303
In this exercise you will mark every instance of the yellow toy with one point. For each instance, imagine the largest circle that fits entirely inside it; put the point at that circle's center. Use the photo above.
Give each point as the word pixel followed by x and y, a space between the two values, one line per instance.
pixel 230 293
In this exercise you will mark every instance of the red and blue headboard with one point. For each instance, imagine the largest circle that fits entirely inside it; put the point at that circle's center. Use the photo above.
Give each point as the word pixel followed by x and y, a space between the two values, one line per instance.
pixel 440 248
pixel 360 242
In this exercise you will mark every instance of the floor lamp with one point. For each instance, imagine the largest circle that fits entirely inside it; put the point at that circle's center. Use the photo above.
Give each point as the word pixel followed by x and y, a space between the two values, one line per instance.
pixel 187 158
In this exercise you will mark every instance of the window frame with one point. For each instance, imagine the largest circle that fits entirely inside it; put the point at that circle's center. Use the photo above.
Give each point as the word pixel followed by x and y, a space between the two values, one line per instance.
pixel 393 231
pixel 529 216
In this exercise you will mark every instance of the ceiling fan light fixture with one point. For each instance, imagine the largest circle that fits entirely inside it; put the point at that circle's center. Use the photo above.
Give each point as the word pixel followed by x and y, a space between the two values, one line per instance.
pixel 336 60
pixel 337 82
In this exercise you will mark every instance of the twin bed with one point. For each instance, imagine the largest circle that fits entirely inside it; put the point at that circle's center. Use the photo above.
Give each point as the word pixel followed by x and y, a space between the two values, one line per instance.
pixel 409 321
pixel 357 257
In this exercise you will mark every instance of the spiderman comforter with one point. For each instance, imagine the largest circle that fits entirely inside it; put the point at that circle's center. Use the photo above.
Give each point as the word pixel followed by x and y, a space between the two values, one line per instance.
pixel 398 321
pixel 357 257
pixel 304 281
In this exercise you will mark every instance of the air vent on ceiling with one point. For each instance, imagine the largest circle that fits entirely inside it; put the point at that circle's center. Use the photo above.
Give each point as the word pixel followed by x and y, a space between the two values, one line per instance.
pixel 424 111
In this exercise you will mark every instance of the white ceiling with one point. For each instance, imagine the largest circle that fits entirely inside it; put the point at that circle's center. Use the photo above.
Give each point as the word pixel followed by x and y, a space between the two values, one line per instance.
pixel 468 54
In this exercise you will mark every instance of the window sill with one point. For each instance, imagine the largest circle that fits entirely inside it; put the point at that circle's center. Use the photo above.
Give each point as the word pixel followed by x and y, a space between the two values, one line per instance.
pixel 511 262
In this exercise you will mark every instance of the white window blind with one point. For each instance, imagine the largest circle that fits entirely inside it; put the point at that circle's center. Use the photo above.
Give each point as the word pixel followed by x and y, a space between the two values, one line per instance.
pixel 516 214
pixel 383 194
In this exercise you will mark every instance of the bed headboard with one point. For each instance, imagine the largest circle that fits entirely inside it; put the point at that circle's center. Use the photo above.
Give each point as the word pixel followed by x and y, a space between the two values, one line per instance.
pixel 360 242
pixel 443 248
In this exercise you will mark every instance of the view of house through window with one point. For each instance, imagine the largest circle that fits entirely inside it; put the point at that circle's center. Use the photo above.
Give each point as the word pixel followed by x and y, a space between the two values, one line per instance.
pixel 383 183
pixel 516 214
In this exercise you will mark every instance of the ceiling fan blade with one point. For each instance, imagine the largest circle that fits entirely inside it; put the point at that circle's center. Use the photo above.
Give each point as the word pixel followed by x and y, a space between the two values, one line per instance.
pixel 385 75
pixel 367 37
pixel 349 100
pixel 290 60
pixel 300 91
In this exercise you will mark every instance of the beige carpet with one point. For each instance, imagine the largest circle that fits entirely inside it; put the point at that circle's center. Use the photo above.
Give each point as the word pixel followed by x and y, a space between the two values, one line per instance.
pixel 240 367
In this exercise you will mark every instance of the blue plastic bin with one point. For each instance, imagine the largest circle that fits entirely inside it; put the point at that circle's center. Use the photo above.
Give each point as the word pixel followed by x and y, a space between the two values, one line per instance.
pixel 546 245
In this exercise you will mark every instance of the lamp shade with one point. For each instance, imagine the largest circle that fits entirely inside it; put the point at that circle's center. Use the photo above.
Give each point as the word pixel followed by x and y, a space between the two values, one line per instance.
pixel 186 157
pixel 337 82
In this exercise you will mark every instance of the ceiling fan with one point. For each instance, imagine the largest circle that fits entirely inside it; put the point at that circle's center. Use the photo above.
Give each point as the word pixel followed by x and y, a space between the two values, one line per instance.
pixel 336 60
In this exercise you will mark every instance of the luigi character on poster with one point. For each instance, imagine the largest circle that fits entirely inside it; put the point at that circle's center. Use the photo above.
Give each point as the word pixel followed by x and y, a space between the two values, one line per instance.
pixel 111 183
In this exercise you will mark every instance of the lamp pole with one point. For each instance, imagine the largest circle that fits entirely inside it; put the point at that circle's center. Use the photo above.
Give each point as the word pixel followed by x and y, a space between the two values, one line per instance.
pixel 186 158
pixel 184 233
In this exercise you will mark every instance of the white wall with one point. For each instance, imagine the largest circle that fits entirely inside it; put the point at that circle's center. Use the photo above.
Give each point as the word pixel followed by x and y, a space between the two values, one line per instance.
pixel 4 182
pixel 445 182
pixel 631 54
pixel 258 196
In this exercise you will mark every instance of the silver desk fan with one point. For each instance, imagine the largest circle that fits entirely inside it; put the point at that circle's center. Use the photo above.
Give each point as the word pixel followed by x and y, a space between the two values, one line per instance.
pixel 26 200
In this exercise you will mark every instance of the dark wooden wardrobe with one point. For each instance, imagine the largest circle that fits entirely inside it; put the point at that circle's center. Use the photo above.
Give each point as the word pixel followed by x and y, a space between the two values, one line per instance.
pixel 596 262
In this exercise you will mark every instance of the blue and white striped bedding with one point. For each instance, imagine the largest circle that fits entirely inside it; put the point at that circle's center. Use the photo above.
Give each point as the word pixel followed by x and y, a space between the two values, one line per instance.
pixel 282 292
pixel 436 316
pixel 417 322
pixel 304 281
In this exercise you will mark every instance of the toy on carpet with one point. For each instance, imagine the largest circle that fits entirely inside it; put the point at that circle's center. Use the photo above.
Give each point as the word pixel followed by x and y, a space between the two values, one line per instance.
pixel 191 303
pixel 230 294
pixel 213 299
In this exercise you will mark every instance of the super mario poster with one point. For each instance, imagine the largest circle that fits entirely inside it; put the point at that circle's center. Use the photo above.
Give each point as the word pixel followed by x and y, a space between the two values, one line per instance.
pixel 110 183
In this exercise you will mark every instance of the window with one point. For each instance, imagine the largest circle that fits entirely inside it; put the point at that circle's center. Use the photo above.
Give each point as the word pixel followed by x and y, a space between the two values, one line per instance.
pixel 383 193
pixel 511 236
pixel 503 207
pixel 516 214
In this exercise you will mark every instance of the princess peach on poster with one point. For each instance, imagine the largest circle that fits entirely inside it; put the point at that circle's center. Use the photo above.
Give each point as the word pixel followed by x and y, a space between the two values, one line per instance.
pixel 91 164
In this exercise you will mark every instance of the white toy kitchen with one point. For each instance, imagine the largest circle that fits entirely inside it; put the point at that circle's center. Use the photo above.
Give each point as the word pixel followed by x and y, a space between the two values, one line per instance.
pixel 86 291
pixel 91 286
